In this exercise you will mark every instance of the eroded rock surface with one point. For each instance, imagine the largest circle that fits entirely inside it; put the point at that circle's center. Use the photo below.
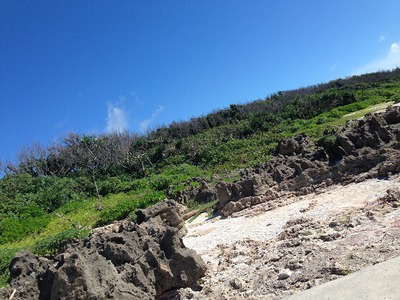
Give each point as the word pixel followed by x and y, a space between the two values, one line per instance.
pixel 369 148
pixel 261 253
pixel 140 260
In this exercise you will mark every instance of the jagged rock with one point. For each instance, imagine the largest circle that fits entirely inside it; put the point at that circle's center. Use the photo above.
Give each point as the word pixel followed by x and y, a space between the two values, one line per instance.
pixel 391 116
pixel 328 237
pixel 294 265
pixel 167 212
pixel 284 274
pixel 390 166
pixel 26 270
pixel 337 269
pixel 238 284
pixel 224 194
pixel 346 143
pixel 141 261
pixel 287 147
pixel 299 166
pixel 205 192
pixel 228 192
pixel 392 198
pixel 294 146
pixel 393 195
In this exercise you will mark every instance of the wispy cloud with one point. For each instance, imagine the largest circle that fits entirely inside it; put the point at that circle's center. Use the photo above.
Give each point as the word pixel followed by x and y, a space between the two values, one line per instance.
pixel 62 123
pixel 135 97
pixel 390 61
pixel 145 125
pixel 116 118
pixel 382 37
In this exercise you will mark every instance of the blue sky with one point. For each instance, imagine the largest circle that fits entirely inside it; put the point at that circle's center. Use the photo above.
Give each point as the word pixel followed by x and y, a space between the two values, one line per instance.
pixel 101 66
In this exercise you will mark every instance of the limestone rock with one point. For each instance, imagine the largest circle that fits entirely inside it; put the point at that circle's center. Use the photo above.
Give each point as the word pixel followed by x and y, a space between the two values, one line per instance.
pixel 238 284
pixel 298 166
pixel 284 274
pixel 141 261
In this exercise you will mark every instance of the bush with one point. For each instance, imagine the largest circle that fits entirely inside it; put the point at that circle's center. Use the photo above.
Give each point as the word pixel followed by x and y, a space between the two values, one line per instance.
pixel 20 183
pixel 129 185
pixel 31 220
pixel 161 183
pixel 54 192
pixel 109 186
pixel 6 255
pixel 127 206
pixel 50 245
pixel 49 193
pixel 117 212
pixel 328 141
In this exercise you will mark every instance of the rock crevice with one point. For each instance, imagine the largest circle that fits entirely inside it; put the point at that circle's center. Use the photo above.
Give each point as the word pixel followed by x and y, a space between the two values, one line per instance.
pixel 132 261
pixel 369 148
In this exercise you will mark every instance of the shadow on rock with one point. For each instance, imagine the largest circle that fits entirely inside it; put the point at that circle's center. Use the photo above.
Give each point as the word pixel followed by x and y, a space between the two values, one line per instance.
pixel 140 260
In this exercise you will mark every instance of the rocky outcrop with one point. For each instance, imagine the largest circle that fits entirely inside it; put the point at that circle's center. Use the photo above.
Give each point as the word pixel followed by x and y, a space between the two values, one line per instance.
pixel 140 260
pixel 369 148
pixel 202 191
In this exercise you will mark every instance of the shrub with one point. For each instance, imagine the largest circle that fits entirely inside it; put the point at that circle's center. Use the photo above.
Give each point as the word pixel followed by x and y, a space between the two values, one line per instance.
pixel 132 184
pixel 161 183
pixel 50 245
pixel 6 255
pixel 129 205
pixel 54 192
pixel 31 220
pixel 328 141
pixel 117 212
pixel 109 186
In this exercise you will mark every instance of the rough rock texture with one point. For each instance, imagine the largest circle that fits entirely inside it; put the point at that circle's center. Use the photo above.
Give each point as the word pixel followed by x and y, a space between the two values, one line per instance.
pixel 370 147
pixel 269 254
pixel 140 260
pixel 203 192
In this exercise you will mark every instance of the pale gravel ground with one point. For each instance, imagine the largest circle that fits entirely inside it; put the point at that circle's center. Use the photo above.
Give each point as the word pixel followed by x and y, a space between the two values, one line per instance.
pixel 240 247
pixel 205 234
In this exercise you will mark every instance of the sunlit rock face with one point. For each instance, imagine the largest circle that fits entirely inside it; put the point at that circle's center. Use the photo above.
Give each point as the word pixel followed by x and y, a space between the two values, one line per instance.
pixel 129 260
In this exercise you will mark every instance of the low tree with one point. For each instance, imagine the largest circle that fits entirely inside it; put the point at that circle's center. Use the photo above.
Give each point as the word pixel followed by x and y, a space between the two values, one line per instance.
pixel 91 161
pixel 31 160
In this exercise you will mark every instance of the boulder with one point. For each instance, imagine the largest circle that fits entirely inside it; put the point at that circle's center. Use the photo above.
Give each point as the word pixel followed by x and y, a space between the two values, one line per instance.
pixel 205 192
pixel 284 274
pixel 287 147
pixel 141 260
pixel 31 276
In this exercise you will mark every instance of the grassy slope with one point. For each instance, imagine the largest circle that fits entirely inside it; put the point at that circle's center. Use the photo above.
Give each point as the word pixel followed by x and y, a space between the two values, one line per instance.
pixel 226 154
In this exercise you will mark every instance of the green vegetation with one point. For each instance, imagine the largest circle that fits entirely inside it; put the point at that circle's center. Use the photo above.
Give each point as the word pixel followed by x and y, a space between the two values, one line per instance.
pixel 60 192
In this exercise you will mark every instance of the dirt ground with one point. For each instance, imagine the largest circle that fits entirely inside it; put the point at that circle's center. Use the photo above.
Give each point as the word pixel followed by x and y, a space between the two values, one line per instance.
pixel 264 253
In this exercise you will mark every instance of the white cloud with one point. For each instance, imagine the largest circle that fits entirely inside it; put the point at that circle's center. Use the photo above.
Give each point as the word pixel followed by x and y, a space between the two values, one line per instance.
pixel 144 125
pixel 390 61
pixel 382 38
pixel 116 118
pixel 394 48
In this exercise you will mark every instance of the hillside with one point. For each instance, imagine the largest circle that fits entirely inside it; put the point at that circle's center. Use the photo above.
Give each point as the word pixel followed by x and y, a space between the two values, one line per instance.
pixel 309 215
pixel 63 191
pixel 299 221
